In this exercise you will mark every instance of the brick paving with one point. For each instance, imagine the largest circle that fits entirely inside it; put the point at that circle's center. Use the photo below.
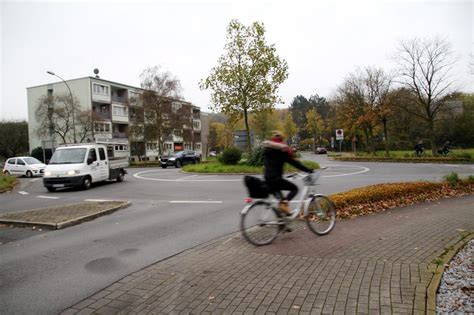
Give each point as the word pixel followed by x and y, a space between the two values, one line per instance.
pixel 377 264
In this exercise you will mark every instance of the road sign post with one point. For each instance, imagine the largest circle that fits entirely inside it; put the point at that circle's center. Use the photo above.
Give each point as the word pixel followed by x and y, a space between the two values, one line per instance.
pixel 340 137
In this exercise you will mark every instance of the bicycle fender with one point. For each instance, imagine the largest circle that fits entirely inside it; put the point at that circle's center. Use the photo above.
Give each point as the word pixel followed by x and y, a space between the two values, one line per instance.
pixel 246 209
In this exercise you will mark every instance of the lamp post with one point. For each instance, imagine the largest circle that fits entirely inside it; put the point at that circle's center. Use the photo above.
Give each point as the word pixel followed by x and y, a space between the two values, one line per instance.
pixel 72 104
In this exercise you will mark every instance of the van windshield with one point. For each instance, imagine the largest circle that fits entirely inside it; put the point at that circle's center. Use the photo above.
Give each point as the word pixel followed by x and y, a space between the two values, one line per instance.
pixel 68 156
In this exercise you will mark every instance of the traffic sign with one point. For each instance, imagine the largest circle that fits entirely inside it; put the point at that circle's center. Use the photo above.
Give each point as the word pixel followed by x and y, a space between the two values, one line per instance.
pixel 339 134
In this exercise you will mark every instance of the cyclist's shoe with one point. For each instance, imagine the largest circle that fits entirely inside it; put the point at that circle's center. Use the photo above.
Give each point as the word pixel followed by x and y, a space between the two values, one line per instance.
pixel 284 208
pixel 289 227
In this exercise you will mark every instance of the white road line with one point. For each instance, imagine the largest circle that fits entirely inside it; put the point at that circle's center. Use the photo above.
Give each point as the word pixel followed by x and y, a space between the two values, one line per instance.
pixel 186 177
pixel 23 193
pixel 34 180
pixel 138 175
pixel 47 197
pixel 195 201
pixel 97 200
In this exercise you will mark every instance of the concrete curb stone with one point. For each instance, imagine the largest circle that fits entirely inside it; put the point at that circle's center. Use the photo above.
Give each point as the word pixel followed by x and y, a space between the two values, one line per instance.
pixel 59 217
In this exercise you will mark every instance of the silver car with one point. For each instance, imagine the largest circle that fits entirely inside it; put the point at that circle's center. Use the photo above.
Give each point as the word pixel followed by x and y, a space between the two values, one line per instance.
pixel 24 166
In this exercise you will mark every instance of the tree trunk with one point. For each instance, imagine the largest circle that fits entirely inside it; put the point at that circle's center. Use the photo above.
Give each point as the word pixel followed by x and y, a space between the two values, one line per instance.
pixel 432 136
pixel 385 134
pixel 247 129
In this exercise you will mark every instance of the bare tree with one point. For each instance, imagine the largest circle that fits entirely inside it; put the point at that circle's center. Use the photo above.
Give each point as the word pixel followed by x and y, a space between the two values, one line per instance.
pixel 85 122
pixel 425 67
pixel 160 90
pixel 54 117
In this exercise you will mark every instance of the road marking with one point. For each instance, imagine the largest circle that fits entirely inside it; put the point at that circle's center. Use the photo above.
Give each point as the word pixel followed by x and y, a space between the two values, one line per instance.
pixel 186 177
pixel 23 193
pixel 47 197
pixel 195 201
pixel 364 170
pixel 97 200
pixel 359 170
pixel 139 175
pixel 34 180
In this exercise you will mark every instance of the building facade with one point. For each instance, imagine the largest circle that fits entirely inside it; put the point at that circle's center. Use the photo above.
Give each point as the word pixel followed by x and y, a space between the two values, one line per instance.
pixel 119 119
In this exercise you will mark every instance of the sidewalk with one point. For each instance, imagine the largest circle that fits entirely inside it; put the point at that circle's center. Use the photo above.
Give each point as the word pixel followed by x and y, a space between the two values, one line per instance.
pixel 375 264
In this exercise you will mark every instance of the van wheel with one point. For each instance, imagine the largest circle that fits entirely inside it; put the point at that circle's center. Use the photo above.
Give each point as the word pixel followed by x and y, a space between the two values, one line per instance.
pixel 120 177
pixel 6 173
pixel 51 189
pixel 86 184
pixel 29 174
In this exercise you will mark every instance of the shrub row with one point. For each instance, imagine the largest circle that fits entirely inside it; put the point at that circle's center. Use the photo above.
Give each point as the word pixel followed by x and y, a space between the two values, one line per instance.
pixel 381 197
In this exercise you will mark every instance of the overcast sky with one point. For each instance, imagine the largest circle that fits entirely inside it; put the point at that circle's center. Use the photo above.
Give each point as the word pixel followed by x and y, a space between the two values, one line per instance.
pixel 322 41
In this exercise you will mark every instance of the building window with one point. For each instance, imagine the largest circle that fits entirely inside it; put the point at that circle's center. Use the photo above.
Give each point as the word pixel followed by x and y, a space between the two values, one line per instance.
pixel 133 95
pixel 120 111
pixel 100 89
pixel 121 147
pixel 168 146
pixel 102 127
pixel 151 146
pixel 197 146
pixel 197 124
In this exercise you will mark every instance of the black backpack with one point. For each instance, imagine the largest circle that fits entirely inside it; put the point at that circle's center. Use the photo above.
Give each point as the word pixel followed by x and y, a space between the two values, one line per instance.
pixel 256 187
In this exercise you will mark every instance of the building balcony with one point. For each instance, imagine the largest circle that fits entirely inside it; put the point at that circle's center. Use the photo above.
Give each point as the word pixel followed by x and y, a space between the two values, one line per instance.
pixel 119 135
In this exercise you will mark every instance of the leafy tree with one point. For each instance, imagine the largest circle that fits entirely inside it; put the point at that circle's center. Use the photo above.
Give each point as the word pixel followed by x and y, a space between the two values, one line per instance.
pixel 160 88
pixel 289 128
pixel 263 122
pixel 298 109
pixel 314 125
pixel 13 138
pixel 425 67
pixel 247 75
pixel 220 136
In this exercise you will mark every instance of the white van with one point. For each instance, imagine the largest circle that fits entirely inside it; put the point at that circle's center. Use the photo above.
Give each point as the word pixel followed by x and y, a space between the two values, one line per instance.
pixel 80 165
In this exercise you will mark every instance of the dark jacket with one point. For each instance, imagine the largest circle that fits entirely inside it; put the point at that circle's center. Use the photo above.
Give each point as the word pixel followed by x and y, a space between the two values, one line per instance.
pixel 276 155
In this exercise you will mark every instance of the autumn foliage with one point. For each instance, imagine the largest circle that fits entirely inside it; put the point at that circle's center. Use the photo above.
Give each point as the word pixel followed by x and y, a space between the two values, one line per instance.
pixel 381 197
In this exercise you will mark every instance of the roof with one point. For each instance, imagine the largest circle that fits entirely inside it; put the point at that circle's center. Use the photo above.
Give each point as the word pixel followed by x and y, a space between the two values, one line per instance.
pixel 113 83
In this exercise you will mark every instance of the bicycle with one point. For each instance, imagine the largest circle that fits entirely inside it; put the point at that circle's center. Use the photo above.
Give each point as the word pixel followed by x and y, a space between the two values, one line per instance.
pixel 261 222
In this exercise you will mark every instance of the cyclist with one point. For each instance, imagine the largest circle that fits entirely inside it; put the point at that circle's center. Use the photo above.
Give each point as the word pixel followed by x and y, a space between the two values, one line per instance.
pixel 276 153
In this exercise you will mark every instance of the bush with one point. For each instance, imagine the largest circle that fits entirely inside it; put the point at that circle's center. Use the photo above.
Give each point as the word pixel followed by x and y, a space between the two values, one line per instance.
pixel 38 153
pixel 452 178
pixel 256 157
pixel 230 156
pixel 470 179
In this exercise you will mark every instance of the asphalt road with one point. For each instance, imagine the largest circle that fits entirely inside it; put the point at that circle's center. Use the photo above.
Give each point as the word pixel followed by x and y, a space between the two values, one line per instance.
pixel 171 211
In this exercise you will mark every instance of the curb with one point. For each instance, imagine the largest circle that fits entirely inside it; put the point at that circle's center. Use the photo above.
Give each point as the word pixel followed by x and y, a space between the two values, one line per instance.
pixel 65 224
pixel 438 271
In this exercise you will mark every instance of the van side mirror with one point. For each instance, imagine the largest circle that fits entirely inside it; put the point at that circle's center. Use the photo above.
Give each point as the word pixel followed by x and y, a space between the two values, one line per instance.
pixel 90 161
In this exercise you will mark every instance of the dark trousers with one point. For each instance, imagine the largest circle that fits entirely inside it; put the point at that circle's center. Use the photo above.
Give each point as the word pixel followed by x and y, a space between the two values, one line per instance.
pixel 276 186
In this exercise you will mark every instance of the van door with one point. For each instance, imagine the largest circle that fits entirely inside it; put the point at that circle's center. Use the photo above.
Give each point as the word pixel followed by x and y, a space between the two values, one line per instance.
pixel 103 164
pixel 94 166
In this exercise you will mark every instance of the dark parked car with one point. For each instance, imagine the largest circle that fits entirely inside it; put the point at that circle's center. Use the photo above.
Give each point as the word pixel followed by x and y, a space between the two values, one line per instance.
pixel 321 150
pixel 180 158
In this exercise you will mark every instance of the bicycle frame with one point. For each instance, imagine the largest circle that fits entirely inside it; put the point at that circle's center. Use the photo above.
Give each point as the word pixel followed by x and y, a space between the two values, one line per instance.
pixel 302 203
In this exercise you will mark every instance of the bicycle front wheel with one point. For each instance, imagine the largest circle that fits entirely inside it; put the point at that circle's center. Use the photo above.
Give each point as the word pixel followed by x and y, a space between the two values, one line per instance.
pixel 321 217
pixel 260 224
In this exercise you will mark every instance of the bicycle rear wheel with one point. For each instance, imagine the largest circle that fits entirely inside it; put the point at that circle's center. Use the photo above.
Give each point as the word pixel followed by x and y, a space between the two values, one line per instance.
pixel 321 217
pixel 260 224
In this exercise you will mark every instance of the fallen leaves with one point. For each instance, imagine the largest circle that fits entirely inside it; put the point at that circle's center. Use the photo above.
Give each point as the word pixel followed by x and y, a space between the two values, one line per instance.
pixel 377 198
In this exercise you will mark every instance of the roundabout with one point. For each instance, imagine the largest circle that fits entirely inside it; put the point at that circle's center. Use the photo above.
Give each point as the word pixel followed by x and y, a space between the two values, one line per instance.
pixel 177 176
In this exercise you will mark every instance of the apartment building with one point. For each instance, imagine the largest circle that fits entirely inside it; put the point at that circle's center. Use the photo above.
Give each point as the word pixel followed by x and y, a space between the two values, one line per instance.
pixel 120 120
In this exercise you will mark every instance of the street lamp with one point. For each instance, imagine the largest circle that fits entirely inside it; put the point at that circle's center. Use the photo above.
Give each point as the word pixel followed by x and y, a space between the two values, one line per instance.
pixel 72 104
